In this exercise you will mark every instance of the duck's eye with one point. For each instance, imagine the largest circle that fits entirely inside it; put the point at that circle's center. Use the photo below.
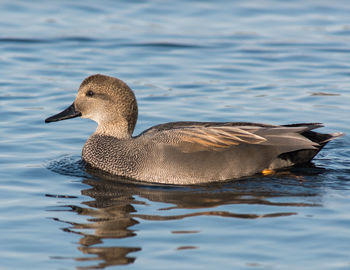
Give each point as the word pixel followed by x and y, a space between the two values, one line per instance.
pixel 90 93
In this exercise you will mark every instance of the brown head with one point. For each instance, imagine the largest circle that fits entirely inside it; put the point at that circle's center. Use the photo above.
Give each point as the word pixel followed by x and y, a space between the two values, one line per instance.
pixel 106 100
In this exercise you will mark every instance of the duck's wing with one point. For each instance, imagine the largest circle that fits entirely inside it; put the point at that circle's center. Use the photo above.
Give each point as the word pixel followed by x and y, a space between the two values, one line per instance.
pixel 192 124
pixel 197 136
pixel 194 138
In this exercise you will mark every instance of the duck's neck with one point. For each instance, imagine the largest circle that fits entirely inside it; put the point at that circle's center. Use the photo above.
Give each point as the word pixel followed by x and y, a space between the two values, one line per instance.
pixel 119 131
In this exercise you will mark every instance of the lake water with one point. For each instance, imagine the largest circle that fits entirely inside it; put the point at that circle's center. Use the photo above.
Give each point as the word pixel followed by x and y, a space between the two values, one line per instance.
pixel 265 61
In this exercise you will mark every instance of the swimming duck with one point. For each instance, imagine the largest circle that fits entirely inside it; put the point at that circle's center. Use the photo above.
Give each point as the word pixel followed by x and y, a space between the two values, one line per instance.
pixel 183 152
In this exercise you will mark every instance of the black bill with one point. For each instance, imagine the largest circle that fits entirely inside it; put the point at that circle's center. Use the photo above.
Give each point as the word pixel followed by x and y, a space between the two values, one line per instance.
pixel 68 113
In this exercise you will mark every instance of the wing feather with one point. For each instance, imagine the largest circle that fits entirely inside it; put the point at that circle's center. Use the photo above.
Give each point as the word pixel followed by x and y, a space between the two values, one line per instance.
pixel 199 138
pixel 208 136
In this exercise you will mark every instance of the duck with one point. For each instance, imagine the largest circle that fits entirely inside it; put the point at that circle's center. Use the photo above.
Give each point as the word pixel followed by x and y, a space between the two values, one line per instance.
pixel 187 152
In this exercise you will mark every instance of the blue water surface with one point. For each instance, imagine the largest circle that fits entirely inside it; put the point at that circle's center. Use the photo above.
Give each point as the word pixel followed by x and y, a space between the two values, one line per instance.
pixel 265 61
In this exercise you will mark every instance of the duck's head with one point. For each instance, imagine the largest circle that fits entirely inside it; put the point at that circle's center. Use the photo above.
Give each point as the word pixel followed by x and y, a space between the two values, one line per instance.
pixel 106 100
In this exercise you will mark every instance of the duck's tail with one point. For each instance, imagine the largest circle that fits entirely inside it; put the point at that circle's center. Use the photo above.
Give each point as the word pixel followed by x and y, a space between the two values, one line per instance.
pixel 306 155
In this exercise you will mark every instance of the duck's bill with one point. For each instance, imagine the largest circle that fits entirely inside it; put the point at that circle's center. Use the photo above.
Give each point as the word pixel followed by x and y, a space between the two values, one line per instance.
pixel 68 113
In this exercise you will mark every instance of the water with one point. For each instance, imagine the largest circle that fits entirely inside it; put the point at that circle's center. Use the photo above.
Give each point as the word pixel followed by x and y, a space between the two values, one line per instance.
pixel 264 61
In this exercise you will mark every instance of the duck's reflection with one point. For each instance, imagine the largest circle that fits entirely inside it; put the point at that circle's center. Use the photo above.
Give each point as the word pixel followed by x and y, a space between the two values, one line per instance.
pixel 111 214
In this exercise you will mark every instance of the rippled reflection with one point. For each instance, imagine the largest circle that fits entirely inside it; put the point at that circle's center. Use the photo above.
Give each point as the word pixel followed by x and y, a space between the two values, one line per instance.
pixel 112 212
